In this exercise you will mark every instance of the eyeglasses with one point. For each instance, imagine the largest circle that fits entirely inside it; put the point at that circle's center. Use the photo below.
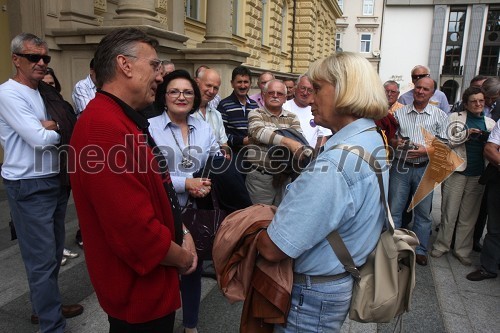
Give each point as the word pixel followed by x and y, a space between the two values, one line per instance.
pixel 392 92
pixel 174 93
pixel 34 58
pixel 419 76
pixel 157 64
pixel 275 93
pixel 305 89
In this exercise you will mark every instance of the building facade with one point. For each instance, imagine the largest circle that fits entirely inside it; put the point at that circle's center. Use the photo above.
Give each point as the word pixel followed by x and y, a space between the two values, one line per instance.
pixel 360 28
pixel 456 39
pixel 281 36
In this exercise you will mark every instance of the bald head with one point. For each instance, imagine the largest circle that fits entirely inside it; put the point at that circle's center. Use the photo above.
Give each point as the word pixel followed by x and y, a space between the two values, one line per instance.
pixel 209 84
pixel 424 89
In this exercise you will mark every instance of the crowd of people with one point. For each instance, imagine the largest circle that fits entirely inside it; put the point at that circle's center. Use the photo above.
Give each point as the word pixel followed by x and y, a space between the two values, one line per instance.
pixel 141 135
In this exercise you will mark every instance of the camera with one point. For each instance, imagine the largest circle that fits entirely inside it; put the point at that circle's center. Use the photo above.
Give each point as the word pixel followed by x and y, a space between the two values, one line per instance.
pixel 408 144
pixel 482 136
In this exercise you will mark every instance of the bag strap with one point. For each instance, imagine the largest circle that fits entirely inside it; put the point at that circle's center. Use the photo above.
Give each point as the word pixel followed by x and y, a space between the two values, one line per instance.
pixel 333 237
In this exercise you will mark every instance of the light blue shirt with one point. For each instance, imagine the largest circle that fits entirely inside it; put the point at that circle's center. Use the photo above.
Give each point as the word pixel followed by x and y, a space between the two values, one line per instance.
pixel 30 149
pixel 438 99
pixel 339 191
pixel 202 144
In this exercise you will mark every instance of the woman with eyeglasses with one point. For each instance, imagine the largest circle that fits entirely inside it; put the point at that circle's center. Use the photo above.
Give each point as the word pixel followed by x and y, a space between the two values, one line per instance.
pixel 461 192
pixel 186 142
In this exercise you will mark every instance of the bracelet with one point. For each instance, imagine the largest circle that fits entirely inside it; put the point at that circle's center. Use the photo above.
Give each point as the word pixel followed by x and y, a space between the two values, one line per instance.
pixel 185 232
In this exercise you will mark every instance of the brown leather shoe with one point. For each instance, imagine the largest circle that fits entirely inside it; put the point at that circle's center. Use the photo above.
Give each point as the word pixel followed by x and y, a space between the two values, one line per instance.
pixel 421 259
pixel 68 311
pixel 480 275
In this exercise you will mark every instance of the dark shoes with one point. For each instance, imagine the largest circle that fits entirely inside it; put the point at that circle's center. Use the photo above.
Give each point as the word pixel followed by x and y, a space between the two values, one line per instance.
pixel 421 259
pixel 78 239
pixel 480 275
pixel 68 311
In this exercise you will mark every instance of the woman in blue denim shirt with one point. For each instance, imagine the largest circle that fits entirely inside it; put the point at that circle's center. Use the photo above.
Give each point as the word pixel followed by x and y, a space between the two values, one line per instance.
pixel 338 191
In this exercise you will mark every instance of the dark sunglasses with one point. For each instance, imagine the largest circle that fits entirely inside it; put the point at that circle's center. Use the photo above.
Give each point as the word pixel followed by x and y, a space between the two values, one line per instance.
pixel 34 57
pixel 418 77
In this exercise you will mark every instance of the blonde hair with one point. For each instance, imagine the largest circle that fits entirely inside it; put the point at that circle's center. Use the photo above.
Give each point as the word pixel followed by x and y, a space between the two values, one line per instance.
pixel 358 89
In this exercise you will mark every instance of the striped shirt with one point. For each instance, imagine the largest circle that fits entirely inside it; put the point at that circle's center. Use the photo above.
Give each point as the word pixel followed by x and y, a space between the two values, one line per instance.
pixel 235 118
pixel 411 122
pixel 83 93
pixel 261 130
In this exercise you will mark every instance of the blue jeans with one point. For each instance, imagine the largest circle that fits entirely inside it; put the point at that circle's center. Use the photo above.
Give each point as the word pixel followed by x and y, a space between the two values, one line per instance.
pixel 319 307
pixel 38 208
pixel 403 183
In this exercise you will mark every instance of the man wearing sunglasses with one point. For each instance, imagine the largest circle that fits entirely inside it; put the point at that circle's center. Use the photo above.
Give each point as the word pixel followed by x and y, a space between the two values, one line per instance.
pixel 438 99
pixel 30 134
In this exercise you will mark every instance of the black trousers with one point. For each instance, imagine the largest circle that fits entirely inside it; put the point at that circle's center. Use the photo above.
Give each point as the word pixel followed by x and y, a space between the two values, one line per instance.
pixel 490 255
pixel 160 325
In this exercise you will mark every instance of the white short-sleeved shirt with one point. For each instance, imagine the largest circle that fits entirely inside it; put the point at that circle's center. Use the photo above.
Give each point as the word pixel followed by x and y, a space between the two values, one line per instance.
pixel 310 130
pixel 495 135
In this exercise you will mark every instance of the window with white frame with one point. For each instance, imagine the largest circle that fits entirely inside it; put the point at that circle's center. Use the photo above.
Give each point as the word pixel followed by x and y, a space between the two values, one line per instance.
pixel 193 9
pixel 366 43
pixel 338 41
pixel 368 7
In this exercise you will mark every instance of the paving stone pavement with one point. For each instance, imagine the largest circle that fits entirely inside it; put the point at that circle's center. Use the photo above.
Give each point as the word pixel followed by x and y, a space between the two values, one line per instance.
pixel 444 301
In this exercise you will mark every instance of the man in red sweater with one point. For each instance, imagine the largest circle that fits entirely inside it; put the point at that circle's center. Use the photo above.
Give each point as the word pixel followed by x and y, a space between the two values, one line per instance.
pixel 127 208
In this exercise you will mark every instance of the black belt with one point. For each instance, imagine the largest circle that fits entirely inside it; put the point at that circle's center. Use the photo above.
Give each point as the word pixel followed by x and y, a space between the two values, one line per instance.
pixel 301 278
pixel 416 165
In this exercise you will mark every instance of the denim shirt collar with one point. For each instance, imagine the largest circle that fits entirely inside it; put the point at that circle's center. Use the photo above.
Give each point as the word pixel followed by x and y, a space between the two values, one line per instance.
pixel 352 129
